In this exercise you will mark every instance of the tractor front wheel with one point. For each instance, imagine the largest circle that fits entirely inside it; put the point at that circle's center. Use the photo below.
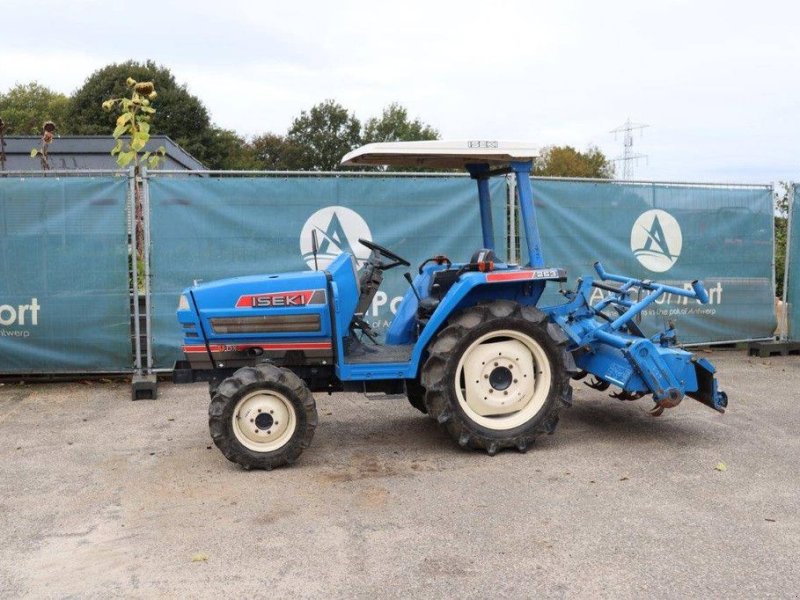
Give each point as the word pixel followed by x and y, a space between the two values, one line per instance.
pixel 497 376
pixel 262 417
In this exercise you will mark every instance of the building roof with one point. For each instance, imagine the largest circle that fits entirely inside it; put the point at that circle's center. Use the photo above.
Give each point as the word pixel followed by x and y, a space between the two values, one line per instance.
pixel 75 152
pixel 441 154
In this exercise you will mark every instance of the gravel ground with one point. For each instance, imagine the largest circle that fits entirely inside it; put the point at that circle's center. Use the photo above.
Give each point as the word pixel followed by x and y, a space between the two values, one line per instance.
pixel 100 496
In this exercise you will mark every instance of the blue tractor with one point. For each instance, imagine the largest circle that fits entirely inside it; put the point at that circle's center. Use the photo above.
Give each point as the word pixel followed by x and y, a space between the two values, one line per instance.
pixel 469 344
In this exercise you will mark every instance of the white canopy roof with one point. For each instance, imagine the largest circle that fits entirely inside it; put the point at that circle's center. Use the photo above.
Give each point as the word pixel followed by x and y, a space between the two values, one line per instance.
pixel 440 154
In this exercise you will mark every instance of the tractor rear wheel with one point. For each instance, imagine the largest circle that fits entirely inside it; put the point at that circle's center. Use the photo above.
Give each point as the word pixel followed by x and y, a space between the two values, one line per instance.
pixel 498 375
pixel 262 417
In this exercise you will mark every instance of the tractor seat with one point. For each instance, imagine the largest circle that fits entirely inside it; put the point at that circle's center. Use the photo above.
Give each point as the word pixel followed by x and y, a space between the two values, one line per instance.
pixel 443 280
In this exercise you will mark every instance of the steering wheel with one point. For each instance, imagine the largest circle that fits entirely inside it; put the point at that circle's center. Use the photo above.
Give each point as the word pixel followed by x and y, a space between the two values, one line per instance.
pixel 398 260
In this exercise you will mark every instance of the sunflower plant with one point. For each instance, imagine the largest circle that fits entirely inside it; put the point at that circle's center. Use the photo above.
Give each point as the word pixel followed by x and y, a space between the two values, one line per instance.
pixel 132 133
pixel 43 151
pixel 133 125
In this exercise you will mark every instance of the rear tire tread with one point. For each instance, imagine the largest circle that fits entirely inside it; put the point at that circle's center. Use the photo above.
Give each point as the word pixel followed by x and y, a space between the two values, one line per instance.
pixel 436 376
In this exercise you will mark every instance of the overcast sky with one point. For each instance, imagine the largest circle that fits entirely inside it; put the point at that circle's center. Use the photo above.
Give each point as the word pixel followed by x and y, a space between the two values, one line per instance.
pixel 716 81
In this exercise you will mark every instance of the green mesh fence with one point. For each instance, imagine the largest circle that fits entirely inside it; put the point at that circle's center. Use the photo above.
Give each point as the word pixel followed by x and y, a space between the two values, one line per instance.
pixel 64 299
pixel 670 233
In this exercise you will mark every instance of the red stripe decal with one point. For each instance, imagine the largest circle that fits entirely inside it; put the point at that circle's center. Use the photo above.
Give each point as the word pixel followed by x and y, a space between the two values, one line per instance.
pixel 513 276
pixel 276 346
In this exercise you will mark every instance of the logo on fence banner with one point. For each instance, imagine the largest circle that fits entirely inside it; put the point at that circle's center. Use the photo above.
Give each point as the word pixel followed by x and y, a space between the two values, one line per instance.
pixel 338 230
pixel 656 240
pixel 20 315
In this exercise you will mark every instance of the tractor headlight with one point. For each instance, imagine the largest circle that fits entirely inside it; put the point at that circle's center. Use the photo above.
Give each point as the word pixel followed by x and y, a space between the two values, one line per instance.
pixel 183 303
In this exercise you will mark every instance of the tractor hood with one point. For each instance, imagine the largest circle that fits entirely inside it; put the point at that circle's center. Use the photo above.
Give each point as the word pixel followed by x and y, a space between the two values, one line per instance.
pixel 242 319
pixel 284 290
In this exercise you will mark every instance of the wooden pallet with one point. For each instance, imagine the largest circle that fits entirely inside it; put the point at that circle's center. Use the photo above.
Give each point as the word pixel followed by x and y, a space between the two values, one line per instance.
pixel 767 349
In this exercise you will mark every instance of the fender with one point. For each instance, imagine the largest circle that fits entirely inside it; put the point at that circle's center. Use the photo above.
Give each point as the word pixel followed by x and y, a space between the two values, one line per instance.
pixel 524 286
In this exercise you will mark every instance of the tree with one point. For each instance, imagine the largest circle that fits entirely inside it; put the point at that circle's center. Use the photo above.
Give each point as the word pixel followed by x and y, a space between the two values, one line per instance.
pixel 394 126
pixel 181 116
pixel 25 107
pixel 565 161
pixel 322 136
pixel 225 149
pixel 274 152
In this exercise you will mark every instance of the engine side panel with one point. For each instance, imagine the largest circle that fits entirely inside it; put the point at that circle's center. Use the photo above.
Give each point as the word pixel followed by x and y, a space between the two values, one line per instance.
pixel 283 317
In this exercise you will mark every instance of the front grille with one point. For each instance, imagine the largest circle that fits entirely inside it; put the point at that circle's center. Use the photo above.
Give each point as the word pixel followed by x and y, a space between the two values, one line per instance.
pixel 267 324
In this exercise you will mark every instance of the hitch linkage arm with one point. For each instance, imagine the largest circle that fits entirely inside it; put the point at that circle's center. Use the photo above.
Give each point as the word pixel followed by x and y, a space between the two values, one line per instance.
pixel 607 332
pixel 697 291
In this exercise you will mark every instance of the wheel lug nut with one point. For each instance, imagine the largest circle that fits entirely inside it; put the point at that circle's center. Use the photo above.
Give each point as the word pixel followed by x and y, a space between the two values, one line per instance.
pixel 269 431
pixel 495 364
pixel 486 377
pixel 259 410
pixel 252 420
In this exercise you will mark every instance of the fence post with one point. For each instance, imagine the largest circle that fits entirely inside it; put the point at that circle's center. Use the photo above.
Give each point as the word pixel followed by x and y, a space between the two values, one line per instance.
pixel 146 257
pixel 144 384
pixel 134 254
pixel 784 329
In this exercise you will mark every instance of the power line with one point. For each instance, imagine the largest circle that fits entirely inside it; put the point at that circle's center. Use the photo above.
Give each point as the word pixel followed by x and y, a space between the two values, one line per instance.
pixel 629 158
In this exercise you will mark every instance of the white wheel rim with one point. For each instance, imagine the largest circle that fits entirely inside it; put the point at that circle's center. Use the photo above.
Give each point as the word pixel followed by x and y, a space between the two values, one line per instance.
pixel 263 421
pixel 503 379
